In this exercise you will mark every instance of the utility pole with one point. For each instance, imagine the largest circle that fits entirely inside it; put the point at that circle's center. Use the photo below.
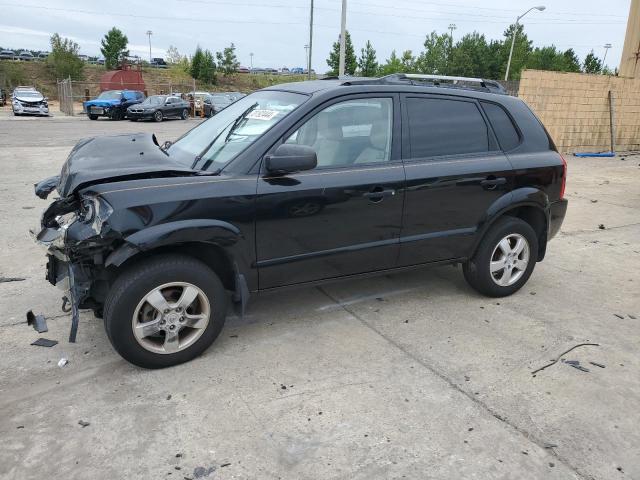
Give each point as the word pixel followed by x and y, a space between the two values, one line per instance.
pixel 607 46
pixel 515 32
pixel 343 38
pixel 310 45
pixel 452 27
pixel 149 33
pixel 251 57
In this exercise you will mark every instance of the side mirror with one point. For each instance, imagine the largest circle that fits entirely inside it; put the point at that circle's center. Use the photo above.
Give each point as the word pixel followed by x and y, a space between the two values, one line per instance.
pixel 290 158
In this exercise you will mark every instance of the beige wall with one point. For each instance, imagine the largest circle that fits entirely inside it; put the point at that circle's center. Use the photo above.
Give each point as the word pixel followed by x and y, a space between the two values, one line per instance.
pixel 630 60
pixel 575 109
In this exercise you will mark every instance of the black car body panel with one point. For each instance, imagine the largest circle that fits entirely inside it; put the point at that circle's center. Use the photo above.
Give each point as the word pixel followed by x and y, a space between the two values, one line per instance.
pixel 128 198
pixel 171 107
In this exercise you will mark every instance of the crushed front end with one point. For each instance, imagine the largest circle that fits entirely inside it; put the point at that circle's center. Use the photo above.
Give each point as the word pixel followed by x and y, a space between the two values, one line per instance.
pixel 76 235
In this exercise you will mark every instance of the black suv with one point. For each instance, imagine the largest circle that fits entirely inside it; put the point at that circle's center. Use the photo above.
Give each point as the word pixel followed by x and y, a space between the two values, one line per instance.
pixel 296 184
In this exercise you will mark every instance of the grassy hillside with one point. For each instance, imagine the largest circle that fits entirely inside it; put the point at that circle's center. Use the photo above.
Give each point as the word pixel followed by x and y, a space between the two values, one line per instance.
pixel 14 73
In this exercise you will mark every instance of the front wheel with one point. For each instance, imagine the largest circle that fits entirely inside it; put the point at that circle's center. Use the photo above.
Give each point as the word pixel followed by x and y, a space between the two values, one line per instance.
pixel 157 116
pixel 164 311
pixel 504 260
pixel 185 114
pixel 93 117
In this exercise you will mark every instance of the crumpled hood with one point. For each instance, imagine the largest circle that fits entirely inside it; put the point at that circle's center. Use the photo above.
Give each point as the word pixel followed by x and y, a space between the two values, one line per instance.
pixel 104 159
pixel 102 103
pixel 29 99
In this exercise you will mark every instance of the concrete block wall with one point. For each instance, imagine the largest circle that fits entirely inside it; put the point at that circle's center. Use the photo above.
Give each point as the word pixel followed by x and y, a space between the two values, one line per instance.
pixel 575 109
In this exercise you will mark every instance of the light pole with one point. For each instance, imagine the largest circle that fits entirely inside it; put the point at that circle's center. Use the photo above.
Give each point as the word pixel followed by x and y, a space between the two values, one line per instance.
pixel 343 39
pixel 310 42
pixel 306 54
pixel 452 27
pixel 149 33
pixel 251 57
pixel 515 31
pixel 607 46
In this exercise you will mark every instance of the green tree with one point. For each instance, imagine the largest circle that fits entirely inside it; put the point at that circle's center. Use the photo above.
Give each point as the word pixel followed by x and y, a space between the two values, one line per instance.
pixel 434 58
pixel 367 62
pixel 521 50
pixel 571 61
pixel 207 71
pixel 408 62
pixel 63 59
pixel 470 57
pixel 350 60
pixel 227 60
pixel 196 62
pixel 114 48
pixel 547 58
pixel 392 65
pixel 592 64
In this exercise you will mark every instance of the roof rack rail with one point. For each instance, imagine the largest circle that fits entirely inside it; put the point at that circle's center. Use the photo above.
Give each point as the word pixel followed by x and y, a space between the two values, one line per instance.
pixel 468 83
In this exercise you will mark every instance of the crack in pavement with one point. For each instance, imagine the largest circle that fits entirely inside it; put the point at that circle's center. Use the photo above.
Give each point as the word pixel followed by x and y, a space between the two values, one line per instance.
pixel 528 436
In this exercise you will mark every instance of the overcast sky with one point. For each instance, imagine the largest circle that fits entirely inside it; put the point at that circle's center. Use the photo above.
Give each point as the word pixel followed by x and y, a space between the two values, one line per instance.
pixel 276 31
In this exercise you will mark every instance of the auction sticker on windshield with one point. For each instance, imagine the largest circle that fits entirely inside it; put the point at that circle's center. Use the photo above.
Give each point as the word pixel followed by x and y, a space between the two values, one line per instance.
pixel 262 114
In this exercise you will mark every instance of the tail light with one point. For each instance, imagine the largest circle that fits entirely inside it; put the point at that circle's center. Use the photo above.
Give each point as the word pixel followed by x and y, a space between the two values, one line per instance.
pixel 564 177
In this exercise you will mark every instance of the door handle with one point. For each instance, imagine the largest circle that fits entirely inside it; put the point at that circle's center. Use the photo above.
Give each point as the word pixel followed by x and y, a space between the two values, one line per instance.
pixel 491 182
pixel 376 194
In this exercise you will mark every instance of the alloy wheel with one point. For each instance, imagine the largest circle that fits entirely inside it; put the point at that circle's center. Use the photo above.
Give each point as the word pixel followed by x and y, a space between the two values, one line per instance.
pixel 509 260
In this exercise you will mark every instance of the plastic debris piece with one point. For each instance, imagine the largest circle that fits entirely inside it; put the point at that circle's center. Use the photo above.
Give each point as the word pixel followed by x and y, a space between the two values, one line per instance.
pixel 38 322
pixel 83 423
pixel 44 342
pixel 62 362
pixel 598 364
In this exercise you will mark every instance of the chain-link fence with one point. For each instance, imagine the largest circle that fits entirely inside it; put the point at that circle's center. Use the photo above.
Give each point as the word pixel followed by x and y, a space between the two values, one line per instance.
pixel 72 93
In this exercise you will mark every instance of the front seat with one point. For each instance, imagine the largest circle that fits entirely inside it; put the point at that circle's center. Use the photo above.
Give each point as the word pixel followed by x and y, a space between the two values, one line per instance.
pixel 378 149
pixel 328 141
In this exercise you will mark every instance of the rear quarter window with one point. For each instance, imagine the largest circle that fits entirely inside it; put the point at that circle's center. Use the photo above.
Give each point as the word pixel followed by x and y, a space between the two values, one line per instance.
pixel 503 127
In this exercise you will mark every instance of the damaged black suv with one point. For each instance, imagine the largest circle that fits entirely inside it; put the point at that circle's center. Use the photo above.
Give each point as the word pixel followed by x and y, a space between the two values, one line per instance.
pixel 297 184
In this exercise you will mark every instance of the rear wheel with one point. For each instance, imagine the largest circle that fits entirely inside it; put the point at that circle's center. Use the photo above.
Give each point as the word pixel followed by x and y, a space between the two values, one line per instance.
pixel 93 117
pixel 505 258
pixel 158 116
pixel 165 311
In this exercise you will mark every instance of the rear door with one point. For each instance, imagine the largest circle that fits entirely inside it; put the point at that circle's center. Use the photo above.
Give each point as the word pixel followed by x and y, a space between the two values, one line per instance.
pixel 343 217
pixel 455 171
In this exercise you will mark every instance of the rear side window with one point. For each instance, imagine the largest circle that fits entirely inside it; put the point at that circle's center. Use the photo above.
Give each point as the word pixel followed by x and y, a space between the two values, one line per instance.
pixel 445 127
pixel 502 126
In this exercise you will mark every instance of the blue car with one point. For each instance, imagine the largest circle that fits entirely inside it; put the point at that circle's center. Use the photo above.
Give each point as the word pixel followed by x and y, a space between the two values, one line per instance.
pixel 112 104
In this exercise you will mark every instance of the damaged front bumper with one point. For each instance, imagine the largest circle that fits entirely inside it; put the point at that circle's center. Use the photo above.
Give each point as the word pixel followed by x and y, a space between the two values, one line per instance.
pixel 72 233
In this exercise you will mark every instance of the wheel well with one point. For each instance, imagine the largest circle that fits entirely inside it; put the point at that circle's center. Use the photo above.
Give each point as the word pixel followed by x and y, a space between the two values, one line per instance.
pixel 211 255
pixel 536 218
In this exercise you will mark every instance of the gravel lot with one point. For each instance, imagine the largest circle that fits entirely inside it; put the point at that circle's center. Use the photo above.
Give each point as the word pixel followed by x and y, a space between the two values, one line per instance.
pixel 403 376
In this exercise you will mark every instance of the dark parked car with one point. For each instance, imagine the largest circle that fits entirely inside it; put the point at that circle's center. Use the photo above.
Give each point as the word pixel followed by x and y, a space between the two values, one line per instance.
pixel 159 107
pixel 215 103
pixel 158 63
pixel 112 104
pixel 297 184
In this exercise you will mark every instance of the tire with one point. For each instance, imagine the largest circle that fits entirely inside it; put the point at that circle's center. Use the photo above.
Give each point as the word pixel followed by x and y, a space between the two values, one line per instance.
pixel 93 117
pixel 133 119
pixel 127 298
pixel 157 116
pixel 477 271
pixel 185 114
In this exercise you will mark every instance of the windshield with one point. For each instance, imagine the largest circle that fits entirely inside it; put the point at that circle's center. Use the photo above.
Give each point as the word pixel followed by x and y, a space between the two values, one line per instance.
pixel 110 95
pixel 27 93
pixel 215 142
pixel 154 100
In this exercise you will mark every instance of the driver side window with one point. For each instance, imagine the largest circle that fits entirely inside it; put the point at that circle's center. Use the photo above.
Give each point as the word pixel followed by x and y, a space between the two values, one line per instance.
pixel 352 132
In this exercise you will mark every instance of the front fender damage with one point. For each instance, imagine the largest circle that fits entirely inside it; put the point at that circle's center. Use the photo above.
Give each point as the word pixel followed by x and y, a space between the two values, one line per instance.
pixel 75 235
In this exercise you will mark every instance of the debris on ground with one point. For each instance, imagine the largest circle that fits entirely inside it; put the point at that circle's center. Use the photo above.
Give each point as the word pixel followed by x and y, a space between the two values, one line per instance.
pixel 38 322
pixel 619 316
pixel 550 445
pixel 597 364
pixel 594 201
pixel 576 364
pixel 169 397
pixel 632 317
pixel 224 465
pixel 11 279
pixel 63 362
pixel 602 227
pixel 83 423
pixel 44 342
pixel 554 361
pixel 200 472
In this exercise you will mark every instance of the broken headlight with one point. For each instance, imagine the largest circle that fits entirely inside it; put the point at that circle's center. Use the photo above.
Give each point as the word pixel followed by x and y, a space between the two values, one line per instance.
pixel 94 211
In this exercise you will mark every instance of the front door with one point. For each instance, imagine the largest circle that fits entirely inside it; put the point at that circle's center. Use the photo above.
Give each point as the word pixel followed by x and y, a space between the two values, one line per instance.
pixel 455 171
pixel 343 217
